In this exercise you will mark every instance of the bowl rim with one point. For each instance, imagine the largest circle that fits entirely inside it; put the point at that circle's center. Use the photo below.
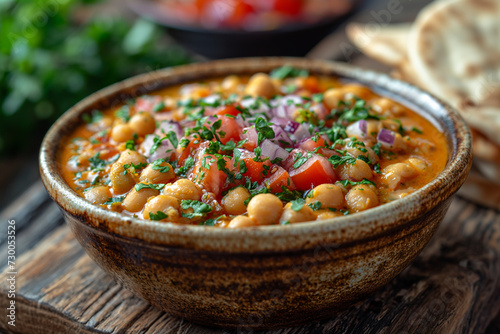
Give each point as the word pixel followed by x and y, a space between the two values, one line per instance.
pixel 340 231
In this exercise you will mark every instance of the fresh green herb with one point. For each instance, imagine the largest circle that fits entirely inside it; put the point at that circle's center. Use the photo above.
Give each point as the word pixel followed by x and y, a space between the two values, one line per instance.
pixel 288 195
pixel 358 112
pixel 288 71
pixel 157 166
pixel 336 160
pixel 159 106
pixel 140 186
pixel 376 168
pixel 263 129
pixel 417 130
pixel 94 117
pixel 318 98
pixel 315 205
pixel 96 163
pixel 188 164
pixel 401 130
pixel 172 137
pixel 159 215
pixel 301 159
pixel 123 113
pixel 200 209
pixel 345 183
pixel 376 148
pixel 134 166
pixel 290 89
pixel 113 200
pixel 298 204
pixel 130 145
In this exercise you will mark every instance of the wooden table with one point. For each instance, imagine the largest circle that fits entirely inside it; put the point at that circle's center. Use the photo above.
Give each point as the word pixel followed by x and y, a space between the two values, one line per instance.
pixel 452 287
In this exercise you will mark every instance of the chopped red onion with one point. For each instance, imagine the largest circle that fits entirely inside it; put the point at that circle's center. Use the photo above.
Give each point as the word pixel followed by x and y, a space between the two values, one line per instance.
pixel 167 126
pixel 164 150
pixel 273 151
pixel 291 127
pixel 386 137
pixel 280 136
pixel 301 133
pixel 241 122
pixel 280 121
pixel 357 129
pixel 254 106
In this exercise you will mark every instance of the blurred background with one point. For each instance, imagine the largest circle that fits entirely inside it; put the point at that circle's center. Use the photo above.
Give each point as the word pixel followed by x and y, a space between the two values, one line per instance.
pixel 53 53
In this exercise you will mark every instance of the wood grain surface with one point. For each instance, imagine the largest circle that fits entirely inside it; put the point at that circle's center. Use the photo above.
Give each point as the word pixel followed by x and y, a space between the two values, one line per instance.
pixel 452 287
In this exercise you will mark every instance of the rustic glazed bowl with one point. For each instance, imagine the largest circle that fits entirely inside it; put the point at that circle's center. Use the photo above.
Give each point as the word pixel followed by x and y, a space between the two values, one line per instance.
pixel 267 276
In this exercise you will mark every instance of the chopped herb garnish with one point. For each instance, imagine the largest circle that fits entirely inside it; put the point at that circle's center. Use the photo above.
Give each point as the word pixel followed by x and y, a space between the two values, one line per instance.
pixel 345 183
pixel 134 166
pixel 376 168
pixel 159 106
pixel 200 209
pixel 172 137
pixel 288 71
pixel 336 160
pixel 123 113
pixel 315 205
pixel 298 204
pixel 156 165
pixel 94 117
pixel 159 215
pixel 417 130
pixel 114 200
pixel 130 145
pixel 140 186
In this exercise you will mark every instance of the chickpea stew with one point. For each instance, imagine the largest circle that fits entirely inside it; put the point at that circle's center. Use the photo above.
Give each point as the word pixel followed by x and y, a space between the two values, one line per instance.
pixel 278 148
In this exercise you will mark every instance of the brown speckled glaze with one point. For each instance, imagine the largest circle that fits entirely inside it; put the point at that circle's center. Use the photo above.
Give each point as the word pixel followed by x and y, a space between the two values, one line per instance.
pixel 268 276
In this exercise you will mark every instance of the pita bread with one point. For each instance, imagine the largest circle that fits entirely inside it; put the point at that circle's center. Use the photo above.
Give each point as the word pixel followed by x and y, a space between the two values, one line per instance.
pixel 387 44
pixel 454 46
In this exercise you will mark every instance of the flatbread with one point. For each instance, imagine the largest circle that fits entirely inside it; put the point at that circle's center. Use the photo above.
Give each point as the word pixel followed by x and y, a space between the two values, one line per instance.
pixel 454 46
pixel 387 44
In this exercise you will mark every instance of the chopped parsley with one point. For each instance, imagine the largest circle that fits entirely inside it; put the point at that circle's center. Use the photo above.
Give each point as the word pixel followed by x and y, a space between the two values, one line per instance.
pixel 130 145
pixel 417 130
pixel 297 204
pixel 156 165
pixel 140 165
pixel 336 160
pixel 159 215
pixel 200 209
pixel 345 183
pixel 140 186
pixel 287 71
pixel 114 200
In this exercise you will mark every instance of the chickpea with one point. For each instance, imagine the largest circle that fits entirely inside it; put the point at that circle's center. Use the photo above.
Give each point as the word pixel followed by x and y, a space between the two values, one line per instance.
pixel 397 173
pixel 241 221
pixel 329 195
pixel 131 157
pixel 361 197
pixel 260 85
pixel 265 209
pixel 357 172
pixel 355 152
pixel 142 123
pixel 234 201
pixel 419 164
pixel 160 173
pixel 332 97
pixel 122 132
pixel 162 203
pixel 303 215
pixel 120 183
pixel 384 105
pixel 98 195
pixel 183 189
pixel 356 90
pixel 135 200
pixel 230 83
pixel 327 214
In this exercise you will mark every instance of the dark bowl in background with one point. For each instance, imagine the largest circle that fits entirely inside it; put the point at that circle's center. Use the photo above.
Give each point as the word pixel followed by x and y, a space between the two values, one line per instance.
pixel 294 40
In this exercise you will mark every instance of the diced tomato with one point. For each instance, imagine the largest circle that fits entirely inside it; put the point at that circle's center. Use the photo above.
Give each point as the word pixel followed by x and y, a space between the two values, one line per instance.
pixel 230 128
pixel 207 174
pixel 227 110
pixel 315 171
pixel 183 154
pixel 312 143
pixel 311 84
pixel 279 178
pixel 255 169
pixel 146 103
pixel 290 7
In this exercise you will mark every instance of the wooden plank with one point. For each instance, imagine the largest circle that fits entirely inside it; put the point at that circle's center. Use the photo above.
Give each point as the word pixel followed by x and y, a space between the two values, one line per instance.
pixel 453 286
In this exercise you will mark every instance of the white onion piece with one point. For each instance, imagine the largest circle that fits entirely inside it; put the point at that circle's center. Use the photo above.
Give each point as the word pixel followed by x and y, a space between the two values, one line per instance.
pixel 357 129
pixel 302 132
pixel 280 136
pixel 386 138
pixel 241 122
pixel 254 106
pixel 273 151
pixel 211 99
pixel 167 126
pixel 250 133
pixel 280 121
pixel 164 150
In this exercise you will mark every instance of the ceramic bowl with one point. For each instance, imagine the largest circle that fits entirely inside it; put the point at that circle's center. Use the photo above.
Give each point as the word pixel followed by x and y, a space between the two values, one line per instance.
pixel 267 276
